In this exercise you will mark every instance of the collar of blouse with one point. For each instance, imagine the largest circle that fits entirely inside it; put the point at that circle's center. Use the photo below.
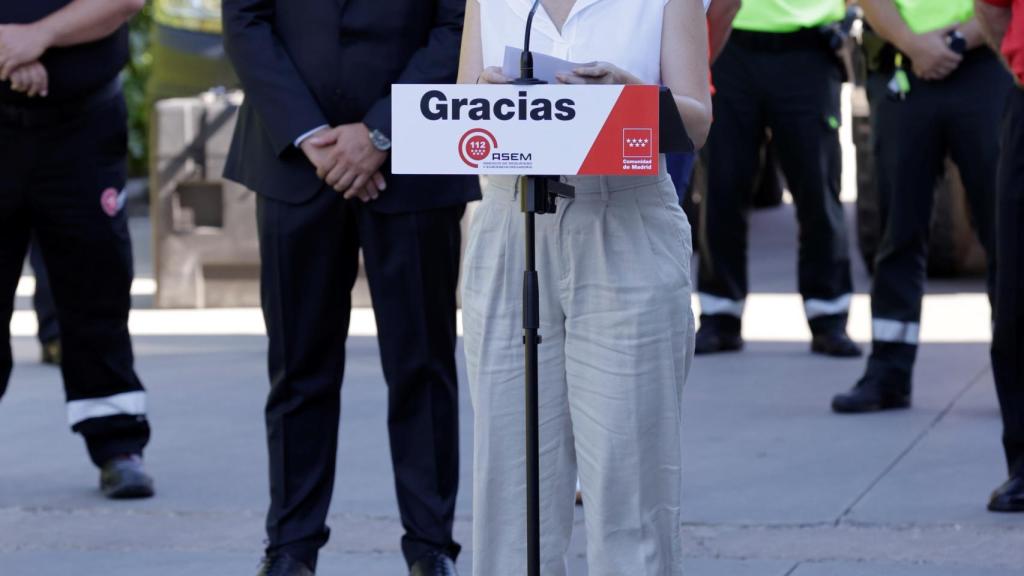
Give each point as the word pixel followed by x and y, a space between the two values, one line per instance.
pixel 543 22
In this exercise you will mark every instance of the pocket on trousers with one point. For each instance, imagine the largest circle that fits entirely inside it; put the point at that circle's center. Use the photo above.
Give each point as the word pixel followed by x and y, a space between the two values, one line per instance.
pixel 485 262
pixel 668 232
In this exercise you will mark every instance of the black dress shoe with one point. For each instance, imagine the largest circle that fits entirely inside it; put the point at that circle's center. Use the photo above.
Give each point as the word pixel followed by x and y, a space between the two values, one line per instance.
pixel 1009 497
pixel 713 338
pixel 434 564
pixel 283 565
pixel 871 396
pixel 836 344
pixel 125 477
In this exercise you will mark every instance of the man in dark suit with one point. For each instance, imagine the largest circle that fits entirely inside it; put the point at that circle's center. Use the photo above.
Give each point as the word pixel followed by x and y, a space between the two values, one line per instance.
pixel 312 140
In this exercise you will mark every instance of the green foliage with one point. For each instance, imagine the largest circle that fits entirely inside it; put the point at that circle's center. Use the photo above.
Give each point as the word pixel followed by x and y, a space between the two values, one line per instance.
pixel 136 76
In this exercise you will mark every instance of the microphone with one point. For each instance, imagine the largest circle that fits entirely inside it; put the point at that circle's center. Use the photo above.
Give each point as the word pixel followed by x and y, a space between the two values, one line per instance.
pixel 526 62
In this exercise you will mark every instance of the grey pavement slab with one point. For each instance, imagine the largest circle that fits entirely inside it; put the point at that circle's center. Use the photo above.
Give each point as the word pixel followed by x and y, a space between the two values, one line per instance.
pixel 881 569
pixel 956 464
pixel 172 563
pixel 762 446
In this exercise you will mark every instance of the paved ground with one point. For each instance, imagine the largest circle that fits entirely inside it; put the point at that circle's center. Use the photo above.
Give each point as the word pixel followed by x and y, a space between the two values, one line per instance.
pixel 775 484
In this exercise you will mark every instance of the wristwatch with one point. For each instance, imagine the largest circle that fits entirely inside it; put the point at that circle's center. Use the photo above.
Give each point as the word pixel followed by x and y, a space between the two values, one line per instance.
pixel 957 42
pixel 380 141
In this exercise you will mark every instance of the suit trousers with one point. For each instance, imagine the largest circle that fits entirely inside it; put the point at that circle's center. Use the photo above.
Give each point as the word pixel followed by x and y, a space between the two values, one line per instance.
pixel 617 329
pixel 1008 341
pixel 310 255
pixel 64 168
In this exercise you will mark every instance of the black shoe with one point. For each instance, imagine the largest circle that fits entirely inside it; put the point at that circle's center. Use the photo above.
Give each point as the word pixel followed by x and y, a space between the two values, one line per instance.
pixel 836 344
pixel 283 565
pixel 1009 497
pixel 51 354
pixel 124 477
pixel 718 335
pixel 434 564
pixel 869 395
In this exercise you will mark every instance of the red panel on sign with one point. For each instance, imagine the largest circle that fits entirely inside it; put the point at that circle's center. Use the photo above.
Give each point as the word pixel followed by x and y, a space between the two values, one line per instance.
pixel 628 143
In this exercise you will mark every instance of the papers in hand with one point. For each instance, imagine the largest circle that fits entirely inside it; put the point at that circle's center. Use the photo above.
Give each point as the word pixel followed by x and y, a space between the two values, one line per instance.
pixel 544 67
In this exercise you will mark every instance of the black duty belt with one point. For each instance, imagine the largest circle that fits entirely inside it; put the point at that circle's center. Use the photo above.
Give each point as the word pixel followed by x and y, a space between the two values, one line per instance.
pixel 39 112
pixel 803 39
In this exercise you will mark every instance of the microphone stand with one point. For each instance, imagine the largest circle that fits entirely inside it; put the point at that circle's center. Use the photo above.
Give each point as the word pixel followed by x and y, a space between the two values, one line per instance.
pixel 537 196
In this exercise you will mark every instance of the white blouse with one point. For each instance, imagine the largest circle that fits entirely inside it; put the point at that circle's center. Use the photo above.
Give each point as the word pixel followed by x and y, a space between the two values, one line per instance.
pixel 626 33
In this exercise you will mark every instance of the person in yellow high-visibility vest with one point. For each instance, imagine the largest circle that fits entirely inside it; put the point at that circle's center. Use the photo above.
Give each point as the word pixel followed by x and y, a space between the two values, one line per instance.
pixel 938 91
pixel 779 70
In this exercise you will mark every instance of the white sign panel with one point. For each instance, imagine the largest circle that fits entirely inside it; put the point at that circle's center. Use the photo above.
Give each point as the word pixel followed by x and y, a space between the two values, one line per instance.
pixel 525 130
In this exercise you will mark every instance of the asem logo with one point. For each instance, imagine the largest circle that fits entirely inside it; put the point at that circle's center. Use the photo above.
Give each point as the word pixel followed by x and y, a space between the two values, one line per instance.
pixel 476 146
pixel 637 143
pixel 511 157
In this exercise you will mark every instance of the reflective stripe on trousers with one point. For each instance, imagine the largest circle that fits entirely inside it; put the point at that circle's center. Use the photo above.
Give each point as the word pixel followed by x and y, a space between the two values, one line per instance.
pixel 128 404
pixel 896 332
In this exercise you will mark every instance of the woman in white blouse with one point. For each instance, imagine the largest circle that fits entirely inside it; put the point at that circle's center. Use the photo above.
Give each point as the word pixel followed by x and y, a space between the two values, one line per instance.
pixel 614 268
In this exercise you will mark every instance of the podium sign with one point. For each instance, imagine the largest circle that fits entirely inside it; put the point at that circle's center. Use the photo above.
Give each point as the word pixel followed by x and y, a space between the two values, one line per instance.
pixel 539 130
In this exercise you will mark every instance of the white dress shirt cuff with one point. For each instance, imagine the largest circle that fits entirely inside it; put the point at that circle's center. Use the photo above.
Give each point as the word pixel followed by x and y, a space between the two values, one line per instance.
pixel 305 136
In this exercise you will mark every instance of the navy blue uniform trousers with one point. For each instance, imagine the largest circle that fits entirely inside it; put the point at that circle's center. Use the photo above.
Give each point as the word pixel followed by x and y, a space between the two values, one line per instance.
pixel 959 117
pixel 64 169
pixel 1008 341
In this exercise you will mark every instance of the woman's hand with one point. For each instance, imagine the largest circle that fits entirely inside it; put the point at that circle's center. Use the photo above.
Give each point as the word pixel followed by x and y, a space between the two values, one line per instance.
pixel 598 73
pixel 493 75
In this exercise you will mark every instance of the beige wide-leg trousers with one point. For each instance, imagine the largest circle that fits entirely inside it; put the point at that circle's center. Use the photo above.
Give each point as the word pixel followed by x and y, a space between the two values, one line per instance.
pixel 617 330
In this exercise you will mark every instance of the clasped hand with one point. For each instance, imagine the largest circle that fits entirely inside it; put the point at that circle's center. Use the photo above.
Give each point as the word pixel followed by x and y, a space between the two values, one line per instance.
pixel 31 79
pixel 932 57
pixel 347 161
pixel 21 46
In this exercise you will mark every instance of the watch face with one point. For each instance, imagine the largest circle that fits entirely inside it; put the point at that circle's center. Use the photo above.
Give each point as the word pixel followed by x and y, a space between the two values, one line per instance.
pixel 380 141
pixel 956 41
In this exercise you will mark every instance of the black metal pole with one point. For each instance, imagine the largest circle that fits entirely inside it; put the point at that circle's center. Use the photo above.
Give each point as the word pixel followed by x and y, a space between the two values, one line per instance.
pixel 531 341
pixel 533 196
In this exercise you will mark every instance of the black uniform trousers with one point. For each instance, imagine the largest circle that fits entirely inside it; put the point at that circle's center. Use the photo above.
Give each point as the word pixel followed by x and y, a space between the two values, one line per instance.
pixel 795 92
pixel 310 262
pixel 63 169
pixel 959 117
pixel 1008 341
pixel 42 299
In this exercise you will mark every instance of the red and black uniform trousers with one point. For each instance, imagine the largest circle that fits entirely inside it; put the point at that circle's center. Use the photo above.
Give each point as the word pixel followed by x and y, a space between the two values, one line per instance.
pixel 789 83
pixel 959 118
pixel 62 176
pixel 1008 341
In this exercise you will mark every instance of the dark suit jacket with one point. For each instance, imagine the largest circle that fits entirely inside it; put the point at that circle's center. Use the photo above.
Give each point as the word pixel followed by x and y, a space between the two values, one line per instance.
pixel 305 63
